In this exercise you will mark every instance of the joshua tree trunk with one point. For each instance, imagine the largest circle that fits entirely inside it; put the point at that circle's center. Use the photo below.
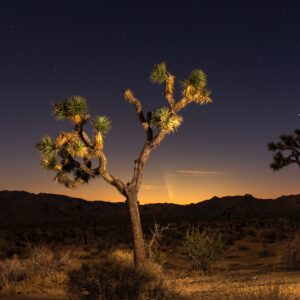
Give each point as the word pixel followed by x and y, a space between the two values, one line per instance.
pixel 138 240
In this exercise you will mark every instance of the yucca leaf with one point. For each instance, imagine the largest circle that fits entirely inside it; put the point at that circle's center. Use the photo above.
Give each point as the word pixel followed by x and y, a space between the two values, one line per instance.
pixel 159 73
pixel 76 105
pixel 101 124
pixel 70 107
pixel 49 163
pixel 46 146
pixel 166 120
pixel 197 79
pixel 60 111
pixel 77 148
pixel 160 116
pixel 80 174
pixel 207 92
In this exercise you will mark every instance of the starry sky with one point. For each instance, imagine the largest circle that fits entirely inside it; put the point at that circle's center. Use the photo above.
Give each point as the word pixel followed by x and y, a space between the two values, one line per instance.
pixel 250 51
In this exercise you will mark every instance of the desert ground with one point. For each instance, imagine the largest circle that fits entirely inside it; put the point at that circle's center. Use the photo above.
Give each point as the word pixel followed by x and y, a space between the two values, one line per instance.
pixel 221 258
pixel 259 262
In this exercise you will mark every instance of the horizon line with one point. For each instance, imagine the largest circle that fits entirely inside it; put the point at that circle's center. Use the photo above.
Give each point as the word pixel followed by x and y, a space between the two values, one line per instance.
pixel 190 203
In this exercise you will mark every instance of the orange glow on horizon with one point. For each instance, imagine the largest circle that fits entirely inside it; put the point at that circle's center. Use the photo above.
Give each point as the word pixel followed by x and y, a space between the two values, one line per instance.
pixel 159 186
pixel 174 190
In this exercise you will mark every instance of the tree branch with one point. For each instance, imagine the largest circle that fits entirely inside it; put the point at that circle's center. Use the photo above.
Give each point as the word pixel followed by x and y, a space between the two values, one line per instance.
pixel 169 90
pixel 144 156
pixel 83 135
pixel 288 143
pixel 116 182
pixel 128 95
pixel 85 138
pixel 182 103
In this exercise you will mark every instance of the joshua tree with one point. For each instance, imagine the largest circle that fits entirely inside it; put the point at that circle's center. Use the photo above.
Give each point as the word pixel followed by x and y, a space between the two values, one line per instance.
pixel 286 152
pixel 70 155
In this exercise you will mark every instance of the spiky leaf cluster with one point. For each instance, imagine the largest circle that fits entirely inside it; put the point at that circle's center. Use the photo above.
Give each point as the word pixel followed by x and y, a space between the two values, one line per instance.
pixel 101 124
pixel 81 175
pixel 77 148
pixel 279 161
pixel 69 171
pixel 46 146
pixel 159 73
pixel 48 152
pixel 59 156
pixel 197 79
pixel 70 143
pixel 49 163
pixel 74 107
pixel 286 151
pixel 195 87
pixel 71 154
pixel 164 119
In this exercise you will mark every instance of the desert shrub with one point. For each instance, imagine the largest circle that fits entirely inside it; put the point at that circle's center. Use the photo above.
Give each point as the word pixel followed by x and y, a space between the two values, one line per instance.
pixel 203 247
pixel 116 278
pixel 273 292
pixel 152 244
pixel 44 261
pixel 292 255
pixel 41 268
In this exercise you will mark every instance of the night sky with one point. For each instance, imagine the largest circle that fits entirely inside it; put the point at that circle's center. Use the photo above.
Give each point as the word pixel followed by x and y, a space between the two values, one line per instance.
pixel 250 51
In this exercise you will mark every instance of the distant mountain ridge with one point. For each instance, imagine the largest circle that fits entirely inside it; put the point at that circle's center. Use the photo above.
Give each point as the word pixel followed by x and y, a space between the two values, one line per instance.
pixel 20 207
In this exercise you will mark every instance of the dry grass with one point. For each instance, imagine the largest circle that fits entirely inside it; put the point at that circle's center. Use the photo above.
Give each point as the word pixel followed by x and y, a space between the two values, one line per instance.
pixel 116 278
pixel 248 270
pixel 270 292
pixel 42 269
pixel 238 286
pixel 291 257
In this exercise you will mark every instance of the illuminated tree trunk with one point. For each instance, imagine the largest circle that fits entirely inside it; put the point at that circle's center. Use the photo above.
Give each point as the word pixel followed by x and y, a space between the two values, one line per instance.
pixel 138 240
pixel 132 197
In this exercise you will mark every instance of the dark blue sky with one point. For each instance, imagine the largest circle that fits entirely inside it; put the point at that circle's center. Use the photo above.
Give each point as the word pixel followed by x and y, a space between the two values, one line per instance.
pixel 249 50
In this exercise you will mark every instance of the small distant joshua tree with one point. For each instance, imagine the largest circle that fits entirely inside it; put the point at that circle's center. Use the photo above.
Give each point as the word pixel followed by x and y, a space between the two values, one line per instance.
pixel 286 151
pixel 70 155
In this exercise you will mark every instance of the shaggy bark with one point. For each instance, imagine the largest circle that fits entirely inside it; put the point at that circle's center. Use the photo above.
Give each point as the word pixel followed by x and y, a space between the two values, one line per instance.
pixel 132 198
pixel 137 232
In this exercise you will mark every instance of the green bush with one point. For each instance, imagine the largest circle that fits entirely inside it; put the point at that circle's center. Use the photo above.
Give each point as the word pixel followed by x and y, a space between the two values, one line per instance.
pixel 203 247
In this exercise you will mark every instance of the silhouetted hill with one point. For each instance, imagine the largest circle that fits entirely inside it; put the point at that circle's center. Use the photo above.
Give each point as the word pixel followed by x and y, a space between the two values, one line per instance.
pixel 18 207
